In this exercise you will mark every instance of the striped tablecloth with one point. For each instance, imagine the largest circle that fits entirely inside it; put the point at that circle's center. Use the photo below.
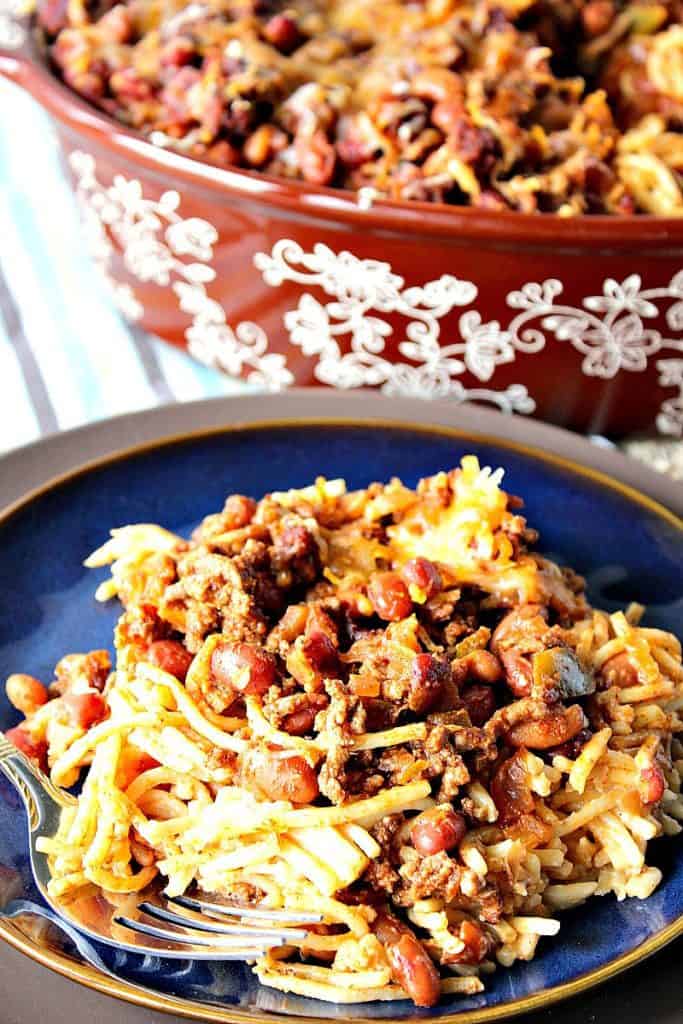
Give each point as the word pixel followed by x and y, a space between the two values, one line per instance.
pixel 66 356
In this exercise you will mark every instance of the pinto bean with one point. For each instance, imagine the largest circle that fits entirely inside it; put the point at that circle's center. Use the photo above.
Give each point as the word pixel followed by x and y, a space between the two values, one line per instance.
pixel 389 596
pixel 620 671
pixel 262 144
pixel 267 772
pixel 555 728
pixel 245 668
pixel 479 665
pixel 437 84
pixel 476 943
pixel 518 673
pixel 518 627
pixel 35 750
pixel 170 656
pixel 597 16
pixel 317 157
pixel 484 666
pixel 300 722
pixel 411 965
pixel 133 762
pixel 422 573
pixel 321 642
pixel 116 26
pixel 355 145
pixel 177 52
pixel 439 828
pixel 282 32
pixel 480 701
pixel 85 709
pixel 25 693
pixel 510 790
pixel 238 511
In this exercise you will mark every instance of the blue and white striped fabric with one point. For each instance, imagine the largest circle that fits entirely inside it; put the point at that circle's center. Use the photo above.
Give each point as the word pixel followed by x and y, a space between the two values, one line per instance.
pixel 66 356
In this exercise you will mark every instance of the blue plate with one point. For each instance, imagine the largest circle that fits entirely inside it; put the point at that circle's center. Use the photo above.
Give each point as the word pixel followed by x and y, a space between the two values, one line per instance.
pixel 628 547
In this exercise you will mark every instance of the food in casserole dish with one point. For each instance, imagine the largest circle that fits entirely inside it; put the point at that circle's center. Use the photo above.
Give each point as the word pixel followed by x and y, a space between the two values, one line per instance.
pixel 382 705
pixel 532 106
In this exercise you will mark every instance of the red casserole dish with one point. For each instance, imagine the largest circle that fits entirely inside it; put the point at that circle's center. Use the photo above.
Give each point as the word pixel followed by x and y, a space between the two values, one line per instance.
pixel 578 321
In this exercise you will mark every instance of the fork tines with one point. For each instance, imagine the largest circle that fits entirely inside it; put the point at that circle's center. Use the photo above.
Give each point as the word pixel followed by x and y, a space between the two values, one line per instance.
pixel 200 924
pixel 206 906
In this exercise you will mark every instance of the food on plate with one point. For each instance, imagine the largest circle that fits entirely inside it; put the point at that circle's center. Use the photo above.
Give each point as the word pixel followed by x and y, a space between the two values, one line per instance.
pixel 528 105
pixel 383 705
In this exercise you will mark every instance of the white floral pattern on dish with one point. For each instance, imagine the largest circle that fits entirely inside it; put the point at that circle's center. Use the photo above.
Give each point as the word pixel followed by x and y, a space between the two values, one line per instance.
pixel 359 288
pixel 347 337
pixel 13 33
pixel 153 239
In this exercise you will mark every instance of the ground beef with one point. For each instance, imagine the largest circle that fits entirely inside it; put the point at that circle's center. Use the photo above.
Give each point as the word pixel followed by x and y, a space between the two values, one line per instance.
pixel 259 578
pixel 285 632
pixel 526 710
pixel 443 762
pixel 436 877
pixel 239 595
pixel 360 783
pixel 385 832
pixel 343 718
pixel 488 905
pixel 295 555
pixel 149 584
pixel 139 627
pixel 211 594
pixel 332 776
pixel 380 875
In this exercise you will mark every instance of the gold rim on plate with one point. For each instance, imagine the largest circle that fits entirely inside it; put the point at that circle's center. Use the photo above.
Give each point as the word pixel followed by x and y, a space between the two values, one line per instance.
pixel 89 976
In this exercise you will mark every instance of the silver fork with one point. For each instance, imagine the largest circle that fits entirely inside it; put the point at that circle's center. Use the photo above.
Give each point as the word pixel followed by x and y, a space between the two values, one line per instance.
pixel 148 923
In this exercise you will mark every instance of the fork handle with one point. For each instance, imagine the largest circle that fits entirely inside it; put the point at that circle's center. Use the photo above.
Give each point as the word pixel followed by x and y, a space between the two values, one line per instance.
pixel 35 789
pixel 17 908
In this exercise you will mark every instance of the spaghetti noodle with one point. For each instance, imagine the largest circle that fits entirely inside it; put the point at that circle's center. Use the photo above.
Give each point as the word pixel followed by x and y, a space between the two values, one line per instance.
pixel 381 704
